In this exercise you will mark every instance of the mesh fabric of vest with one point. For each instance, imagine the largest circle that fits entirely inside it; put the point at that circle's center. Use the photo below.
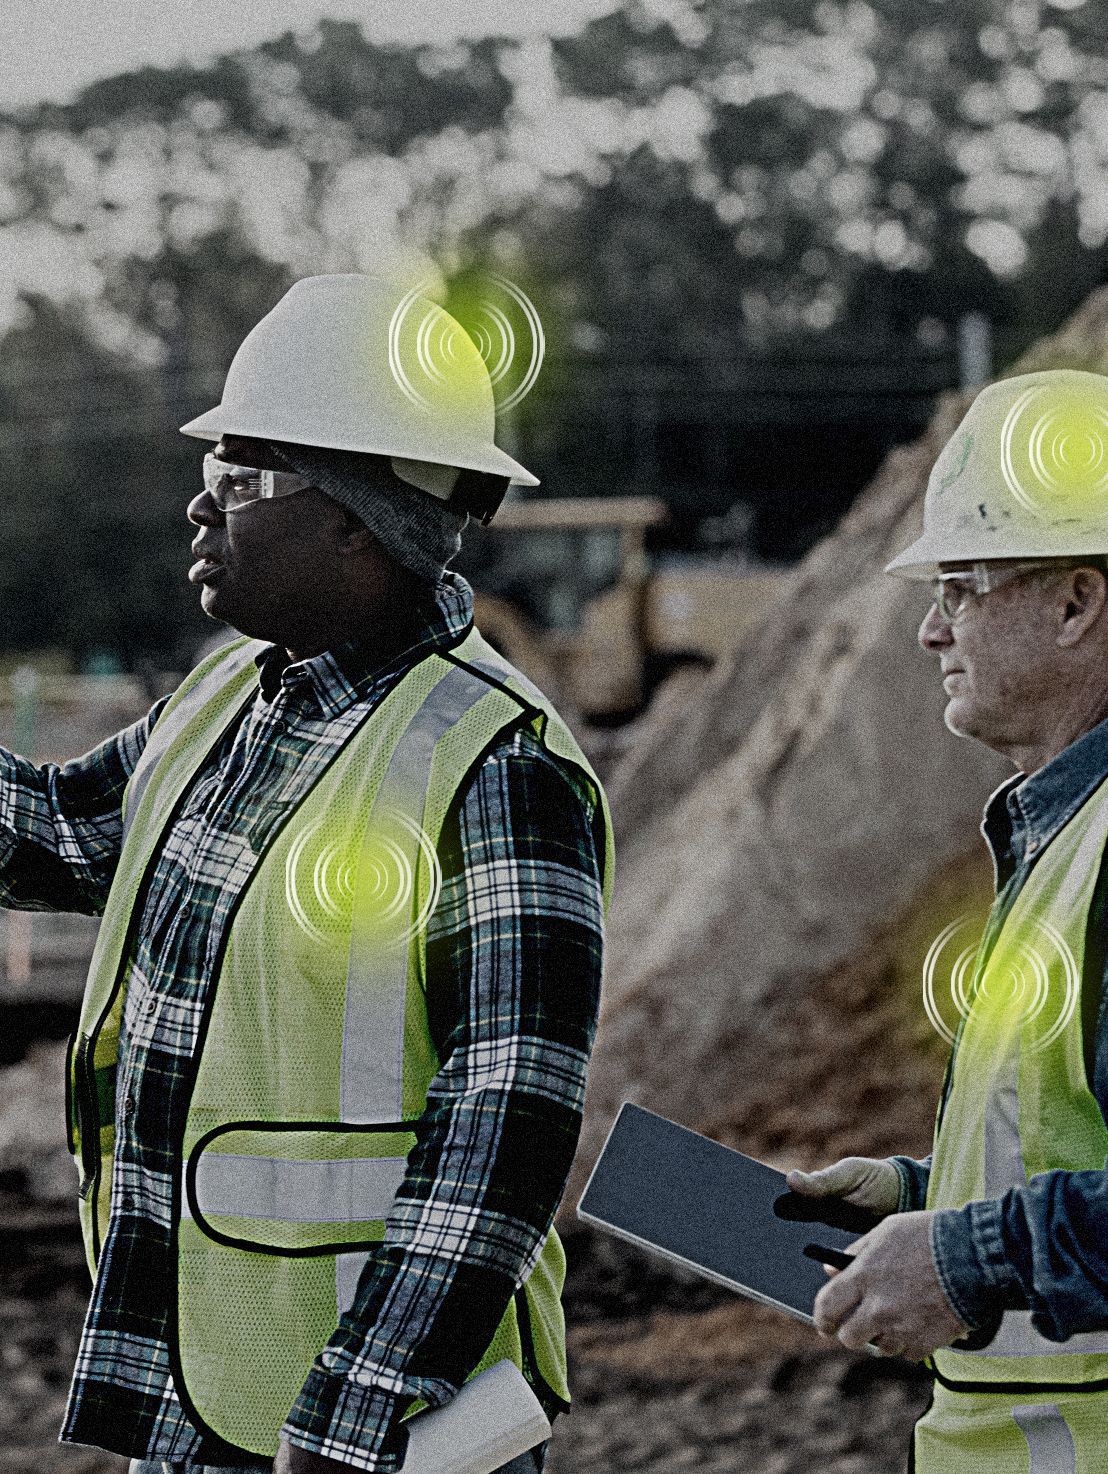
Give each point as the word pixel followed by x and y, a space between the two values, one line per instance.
pixel 259 1296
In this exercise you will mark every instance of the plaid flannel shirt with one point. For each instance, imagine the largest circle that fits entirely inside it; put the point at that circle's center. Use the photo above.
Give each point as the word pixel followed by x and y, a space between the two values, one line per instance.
pixel 513 965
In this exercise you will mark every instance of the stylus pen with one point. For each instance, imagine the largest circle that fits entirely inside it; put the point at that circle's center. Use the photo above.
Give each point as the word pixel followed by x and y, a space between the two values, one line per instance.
pixel 835 1257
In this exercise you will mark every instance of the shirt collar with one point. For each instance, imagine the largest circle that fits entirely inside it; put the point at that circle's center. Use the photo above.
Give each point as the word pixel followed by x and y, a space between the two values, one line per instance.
pixel 337 678
pixel 1025 813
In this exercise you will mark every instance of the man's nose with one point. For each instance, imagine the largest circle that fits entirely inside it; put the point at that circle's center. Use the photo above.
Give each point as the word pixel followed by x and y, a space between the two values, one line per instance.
pixel 934 632
pixel 203 512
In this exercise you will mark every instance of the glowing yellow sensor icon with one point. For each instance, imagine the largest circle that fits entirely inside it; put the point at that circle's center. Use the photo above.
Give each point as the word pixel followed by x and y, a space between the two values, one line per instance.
pixel 1054 451
pixel 494 336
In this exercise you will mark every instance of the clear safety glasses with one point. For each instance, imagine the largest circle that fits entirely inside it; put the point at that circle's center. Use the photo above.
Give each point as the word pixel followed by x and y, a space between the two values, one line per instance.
pixel 232 487
pixel 952 592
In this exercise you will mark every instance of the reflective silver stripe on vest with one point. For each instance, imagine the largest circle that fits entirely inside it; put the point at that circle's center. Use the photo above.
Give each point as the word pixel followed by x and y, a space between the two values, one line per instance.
pixel 372 1086
pixel 287 1190
pixel 1018 1337
pixel 499 674
pixel 170 725
pixel 1049 1440
pixel 348 1271
pixel 1003 1152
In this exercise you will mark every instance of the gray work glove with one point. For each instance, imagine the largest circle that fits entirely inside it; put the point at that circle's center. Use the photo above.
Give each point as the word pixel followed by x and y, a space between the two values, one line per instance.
pixel 868 1182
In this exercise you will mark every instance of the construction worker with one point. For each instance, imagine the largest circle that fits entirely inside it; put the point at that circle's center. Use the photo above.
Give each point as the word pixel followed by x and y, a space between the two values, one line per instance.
pixel 328 1077
pixel 991 1257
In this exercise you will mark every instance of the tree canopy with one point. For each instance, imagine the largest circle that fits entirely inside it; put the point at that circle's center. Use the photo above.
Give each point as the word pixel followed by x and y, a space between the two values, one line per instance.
pixel 676 180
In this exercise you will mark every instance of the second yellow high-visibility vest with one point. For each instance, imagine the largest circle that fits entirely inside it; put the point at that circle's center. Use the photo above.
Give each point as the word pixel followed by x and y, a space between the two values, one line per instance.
pixel 316 1054
pixel 1019 1104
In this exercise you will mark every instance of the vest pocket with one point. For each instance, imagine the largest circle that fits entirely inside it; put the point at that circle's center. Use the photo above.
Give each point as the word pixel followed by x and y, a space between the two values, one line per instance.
pixel 296 1188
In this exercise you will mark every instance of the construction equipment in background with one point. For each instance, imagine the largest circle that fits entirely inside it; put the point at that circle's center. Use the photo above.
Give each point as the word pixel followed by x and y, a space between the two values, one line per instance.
pixel 567 590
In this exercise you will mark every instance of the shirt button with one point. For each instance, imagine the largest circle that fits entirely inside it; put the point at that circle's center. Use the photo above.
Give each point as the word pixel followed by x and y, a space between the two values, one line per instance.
pixel 150 1004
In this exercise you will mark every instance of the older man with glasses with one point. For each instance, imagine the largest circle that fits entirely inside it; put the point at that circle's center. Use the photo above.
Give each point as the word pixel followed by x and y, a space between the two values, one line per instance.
pixel 991 1256
pixel 328 1077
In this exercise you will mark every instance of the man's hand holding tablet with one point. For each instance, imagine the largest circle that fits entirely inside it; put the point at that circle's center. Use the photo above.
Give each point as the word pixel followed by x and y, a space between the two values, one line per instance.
pixel 890 1296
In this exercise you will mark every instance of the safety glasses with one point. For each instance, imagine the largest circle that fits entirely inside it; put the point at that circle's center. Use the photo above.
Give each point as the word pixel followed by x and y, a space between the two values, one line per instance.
pixel 232 487
pixel 953 591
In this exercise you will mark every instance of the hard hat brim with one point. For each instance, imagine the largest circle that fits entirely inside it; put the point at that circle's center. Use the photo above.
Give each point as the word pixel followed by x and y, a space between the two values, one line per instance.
pixel 489 458
pixel 925 558
pixel 919 561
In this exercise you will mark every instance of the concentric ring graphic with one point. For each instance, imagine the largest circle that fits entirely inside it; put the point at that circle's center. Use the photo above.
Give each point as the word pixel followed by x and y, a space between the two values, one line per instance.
pixel 1034 985
pixel 324 876
pixel 431 350
pixel 1054 452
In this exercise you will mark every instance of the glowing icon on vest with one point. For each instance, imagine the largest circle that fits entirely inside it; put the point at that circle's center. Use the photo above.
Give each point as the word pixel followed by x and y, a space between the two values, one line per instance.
pixel 386 887
pixel 433 353
pixel 1054 452
pixel 1030 984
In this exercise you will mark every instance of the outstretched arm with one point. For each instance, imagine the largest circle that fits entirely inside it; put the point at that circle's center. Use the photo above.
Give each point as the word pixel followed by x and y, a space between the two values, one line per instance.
pixel 61 828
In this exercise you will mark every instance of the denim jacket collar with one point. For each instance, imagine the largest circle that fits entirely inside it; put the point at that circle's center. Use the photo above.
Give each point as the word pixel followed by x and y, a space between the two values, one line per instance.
pixel 1026 812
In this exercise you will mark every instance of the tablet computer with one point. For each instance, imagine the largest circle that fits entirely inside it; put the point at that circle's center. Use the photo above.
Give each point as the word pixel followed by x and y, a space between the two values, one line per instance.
pixel 715 1211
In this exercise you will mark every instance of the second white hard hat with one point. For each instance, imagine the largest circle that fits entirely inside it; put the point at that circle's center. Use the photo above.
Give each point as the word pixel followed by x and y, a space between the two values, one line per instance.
pixel 1025 475
pixel 351 362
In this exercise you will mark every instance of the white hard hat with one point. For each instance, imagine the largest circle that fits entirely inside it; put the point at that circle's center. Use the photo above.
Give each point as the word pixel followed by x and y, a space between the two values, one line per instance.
pixel 1025 475
pixel 353 363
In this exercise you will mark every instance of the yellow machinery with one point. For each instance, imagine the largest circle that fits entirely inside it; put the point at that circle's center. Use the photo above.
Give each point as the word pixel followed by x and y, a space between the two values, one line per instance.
pixel 603 625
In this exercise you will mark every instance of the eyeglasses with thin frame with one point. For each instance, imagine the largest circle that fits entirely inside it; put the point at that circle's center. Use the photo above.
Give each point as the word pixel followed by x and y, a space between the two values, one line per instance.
pixel 952 592
pixel 232 487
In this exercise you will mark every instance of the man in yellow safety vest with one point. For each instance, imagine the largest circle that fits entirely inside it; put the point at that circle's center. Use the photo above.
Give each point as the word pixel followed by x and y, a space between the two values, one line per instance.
pixel 328 1077
pixel 991 1256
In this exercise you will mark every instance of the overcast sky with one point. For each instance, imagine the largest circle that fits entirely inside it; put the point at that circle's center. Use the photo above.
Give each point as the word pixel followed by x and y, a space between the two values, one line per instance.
pixel 54 47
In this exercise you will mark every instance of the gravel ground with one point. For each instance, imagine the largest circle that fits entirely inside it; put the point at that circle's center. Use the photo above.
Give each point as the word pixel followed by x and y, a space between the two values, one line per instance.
pixel 43 1292
pixel 668 1375
pixel 803 1414
pixel 671 1373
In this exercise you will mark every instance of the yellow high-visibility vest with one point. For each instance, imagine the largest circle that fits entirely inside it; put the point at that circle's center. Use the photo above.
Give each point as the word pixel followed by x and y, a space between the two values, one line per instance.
pixel 1019 1104
pixel 315 1055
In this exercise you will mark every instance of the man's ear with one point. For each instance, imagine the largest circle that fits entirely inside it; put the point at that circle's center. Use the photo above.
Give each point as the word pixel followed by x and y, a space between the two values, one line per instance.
pixel 1086 594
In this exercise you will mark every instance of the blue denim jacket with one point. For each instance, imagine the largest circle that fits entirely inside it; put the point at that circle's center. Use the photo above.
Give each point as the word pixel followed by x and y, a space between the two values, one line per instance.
pixel 1043 1246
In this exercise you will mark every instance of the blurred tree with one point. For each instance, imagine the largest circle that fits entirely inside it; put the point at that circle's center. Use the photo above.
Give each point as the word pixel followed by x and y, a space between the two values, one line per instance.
pixel 97 543
pixel 679 180
pixel 876 165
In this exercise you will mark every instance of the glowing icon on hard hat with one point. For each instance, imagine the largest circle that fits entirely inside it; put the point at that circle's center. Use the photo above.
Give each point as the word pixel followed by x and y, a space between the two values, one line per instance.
pixel 1033 987
pixel 431 351
pixel 1054 451
pixel 393 875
